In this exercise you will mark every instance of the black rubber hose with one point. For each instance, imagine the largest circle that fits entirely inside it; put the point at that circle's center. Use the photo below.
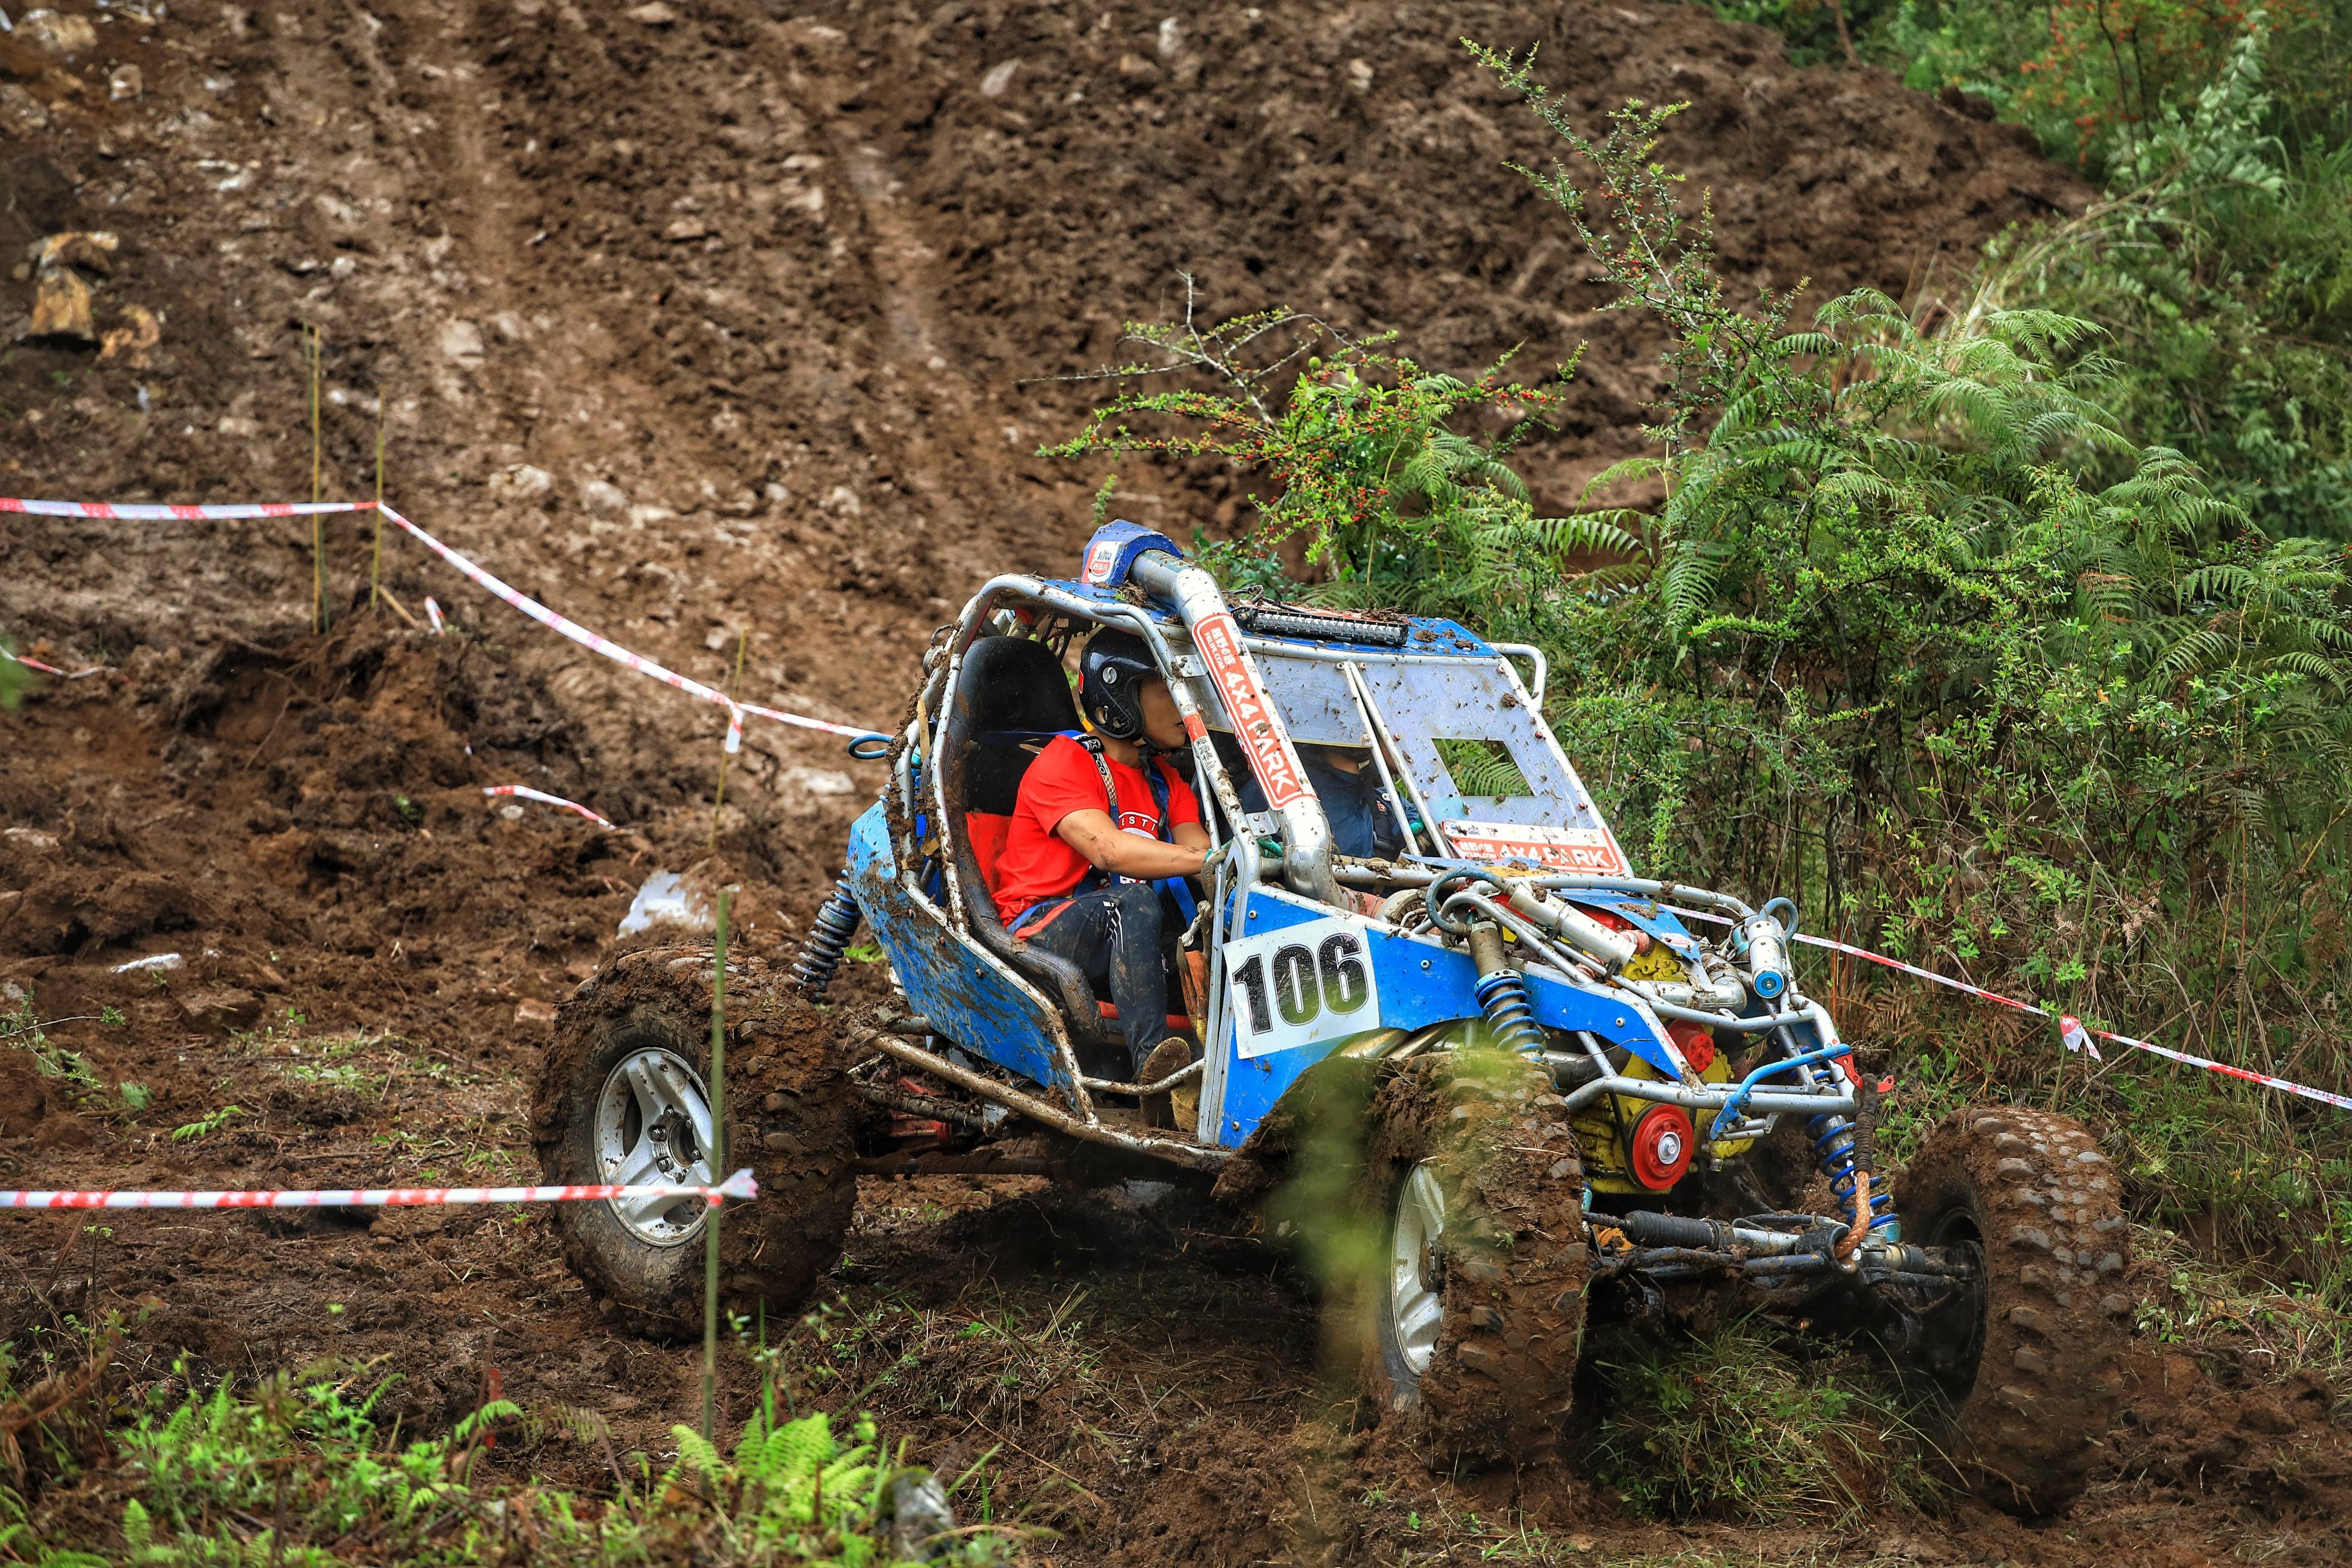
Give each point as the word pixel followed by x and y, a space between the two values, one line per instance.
pixel 1676 1231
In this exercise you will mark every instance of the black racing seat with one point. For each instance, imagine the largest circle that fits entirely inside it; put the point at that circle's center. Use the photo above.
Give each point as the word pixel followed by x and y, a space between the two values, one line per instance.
pixel 1010 694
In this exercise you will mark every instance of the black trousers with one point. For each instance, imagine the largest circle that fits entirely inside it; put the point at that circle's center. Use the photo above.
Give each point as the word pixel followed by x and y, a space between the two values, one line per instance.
pixel 1115 937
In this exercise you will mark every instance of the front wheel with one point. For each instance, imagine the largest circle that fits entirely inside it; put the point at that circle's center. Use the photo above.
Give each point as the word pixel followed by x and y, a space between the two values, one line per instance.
pixel 2027 1357
pixel 1472 1300
pixel 623 1098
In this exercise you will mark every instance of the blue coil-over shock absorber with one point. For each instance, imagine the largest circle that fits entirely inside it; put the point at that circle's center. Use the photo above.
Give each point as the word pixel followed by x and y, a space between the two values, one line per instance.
pixel 1833 1151
pixel 1502 993
pixel 828 939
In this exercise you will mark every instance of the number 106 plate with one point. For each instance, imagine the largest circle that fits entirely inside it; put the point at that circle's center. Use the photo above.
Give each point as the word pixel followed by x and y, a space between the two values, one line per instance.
pixel 1300 985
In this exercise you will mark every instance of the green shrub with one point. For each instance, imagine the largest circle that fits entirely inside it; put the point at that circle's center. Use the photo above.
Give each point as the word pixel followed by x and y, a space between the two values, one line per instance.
pixel 2220 266
pixel 2088 76
pixel 2223 272
pixel 1361 446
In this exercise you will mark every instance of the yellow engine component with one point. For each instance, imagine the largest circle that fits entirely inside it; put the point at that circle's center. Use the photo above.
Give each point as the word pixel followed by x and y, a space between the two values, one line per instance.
pixel 1606 1129
pixel 1658 963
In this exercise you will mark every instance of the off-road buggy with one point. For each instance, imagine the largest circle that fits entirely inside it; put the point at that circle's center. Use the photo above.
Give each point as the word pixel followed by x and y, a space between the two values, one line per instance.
pixel 1553 1087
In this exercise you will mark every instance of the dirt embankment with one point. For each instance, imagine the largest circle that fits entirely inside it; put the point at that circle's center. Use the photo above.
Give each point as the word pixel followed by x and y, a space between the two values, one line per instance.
pixel 689 319
pixel 711 320
pixel 693 319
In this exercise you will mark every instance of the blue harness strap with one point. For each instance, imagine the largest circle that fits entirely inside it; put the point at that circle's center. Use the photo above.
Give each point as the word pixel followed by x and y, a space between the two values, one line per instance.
pixel 1174 886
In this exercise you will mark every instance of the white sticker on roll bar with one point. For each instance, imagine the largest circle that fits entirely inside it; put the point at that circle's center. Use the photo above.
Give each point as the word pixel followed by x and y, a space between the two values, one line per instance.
pixel 1562 849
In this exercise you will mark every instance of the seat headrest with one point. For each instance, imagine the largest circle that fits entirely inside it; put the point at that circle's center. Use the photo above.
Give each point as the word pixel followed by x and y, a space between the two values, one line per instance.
pixel 1013 683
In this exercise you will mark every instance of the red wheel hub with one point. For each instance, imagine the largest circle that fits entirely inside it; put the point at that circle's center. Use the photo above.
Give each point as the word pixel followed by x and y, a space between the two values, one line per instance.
pixel 1663 1143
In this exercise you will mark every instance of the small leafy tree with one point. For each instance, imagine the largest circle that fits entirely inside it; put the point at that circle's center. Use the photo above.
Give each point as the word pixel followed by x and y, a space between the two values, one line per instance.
pixel 1364 450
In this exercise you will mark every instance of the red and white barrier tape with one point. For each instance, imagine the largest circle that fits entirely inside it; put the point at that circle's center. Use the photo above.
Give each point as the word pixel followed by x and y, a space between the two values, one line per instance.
pixel 2076 1034
pixel 566 627
pixel 2341 1102
pixel 739 1186
pixel 143 513
pixel 851 730
pixel 525 792
pixel 524 603
pixel 614 651
pixel 433 615
pixel 52 669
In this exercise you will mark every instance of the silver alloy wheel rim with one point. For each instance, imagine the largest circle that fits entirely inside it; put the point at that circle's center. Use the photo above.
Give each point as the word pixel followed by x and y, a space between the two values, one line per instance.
pixel 653 1127
pixel 1416 1305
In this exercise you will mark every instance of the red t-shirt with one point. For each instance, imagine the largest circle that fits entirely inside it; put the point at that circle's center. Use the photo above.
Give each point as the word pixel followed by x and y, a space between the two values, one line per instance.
pixel 1035 864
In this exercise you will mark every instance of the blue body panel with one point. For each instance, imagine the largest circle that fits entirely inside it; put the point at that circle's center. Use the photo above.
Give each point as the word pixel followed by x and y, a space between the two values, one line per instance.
pixel 1421 983
pixel 977 1004
pixel 1642 914
pixel 949 978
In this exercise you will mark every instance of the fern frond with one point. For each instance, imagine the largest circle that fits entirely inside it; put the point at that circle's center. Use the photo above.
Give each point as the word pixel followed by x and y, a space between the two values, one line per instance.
pixel 695 1455
pixel 1592 533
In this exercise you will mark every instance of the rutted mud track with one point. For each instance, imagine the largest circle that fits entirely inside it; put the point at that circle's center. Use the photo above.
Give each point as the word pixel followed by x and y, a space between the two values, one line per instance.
pixel 717 323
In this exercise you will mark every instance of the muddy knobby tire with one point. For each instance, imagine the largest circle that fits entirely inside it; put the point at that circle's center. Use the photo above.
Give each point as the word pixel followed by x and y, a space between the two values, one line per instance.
pixel 2029 1369
pixel 1511 1256
pixel 791 1116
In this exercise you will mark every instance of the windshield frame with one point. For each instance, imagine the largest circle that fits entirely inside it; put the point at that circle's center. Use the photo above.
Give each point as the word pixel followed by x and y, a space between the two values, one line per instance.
pixel 1561 827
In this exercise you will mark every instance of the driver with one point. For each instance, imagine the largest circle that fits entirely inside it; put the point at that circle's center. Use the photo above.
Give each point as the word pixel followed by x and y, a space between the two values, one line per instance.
pixel 1092 832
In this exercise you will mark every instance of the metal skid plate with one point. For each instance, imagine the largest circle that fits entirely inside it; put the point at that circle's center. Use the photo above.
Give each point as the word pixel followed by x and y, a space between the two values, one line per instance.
pixel 1294 1010
pixel 949 978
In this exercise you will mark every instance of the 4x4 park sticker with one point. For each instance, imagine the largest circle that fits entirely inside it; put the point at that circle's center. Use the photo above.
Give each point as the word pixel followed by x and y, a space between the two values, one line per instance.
pixel 1561 849
pixel 1219 638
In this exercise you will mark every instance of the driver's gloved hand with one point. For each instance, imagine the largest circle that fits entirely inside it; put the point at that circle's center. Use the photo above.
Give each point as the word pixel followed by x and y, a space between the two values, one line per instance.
pixel 1269 850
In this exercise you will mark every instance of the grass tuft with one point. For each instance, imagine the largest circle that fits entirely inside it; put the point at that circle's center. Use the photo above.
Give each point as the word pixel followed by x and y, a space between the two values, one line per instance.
pixel 1730 1427
pixel 2271 1333
pixel 297 1472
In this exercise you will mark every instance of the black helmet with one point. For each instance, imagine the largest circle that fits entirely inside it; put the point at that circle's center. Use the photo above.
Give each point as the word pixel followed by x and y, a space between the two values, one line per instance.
pixel 1111 676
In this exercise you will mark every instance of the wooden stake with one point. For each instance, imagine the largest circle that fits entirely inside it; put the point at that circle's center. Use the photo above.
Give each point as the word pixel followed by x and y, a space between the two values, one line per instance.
pixel 742 646
pixel 321 621
pixel 718 1152
pixel 397 608
pixel 375 560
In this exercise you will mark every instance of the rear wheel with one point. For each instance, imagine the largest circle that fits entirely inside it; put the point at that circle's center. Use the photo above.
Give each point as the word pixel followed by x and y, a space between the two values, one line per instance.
pixel 1472 1298
pixel 623 1097
pixel 2028 1358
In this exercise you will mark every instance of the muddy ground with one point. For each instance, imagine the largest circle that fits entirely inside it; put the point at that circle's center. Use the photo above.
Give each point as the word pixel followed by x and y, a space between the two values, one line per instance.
pixel 700 319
